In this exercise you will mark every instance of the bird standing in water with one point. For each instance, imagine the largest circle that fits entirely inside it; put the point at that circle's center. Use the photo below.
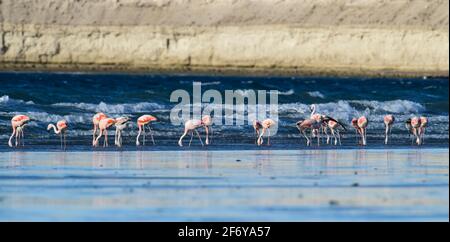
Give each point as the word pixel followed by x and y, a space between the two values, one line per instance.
pixel 121 124
pixel 207 123
pixel 96 120
pixel 191 126
pixel 360 124
pixel 388 122
pixel 266 125
pixel 60 128
pixel 422 128
pixel 103 126
pixel 18 123
pixel 142 122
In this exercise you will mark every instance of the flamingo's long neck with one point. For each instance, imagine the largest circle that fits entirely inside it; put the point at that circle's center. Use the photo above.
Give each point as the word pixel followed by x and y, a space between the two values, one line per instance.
pixel 57 131
pixel 313 111
pixel 10 138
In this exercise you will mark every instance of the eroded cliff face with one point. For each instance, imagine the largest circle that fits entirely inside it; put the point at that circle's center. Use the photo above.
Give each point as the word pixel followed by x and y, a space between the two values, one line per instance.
pixel 136 42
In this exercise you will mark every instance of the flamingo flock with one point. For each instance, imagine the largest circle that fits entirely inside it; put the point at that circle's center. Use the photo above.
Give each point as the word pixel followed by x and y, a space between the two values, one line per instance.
pixel 311 128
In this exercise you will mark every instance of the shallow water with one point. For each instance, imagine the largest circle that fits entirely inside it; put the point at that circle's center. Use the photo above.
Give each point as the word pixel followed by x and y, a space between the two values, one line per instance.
pixel 263 185
pixel 49 97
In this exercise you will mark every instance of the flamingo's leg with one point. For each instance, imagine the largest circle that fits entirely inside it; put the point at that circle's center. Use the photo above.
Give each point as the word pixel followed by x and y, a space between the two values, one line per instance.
pixel 61 138
pixel 144 134
pixel 98 138
pixel 151 134
pixel 65 141
pixel 268 137
pixel 196 131
pixel 192 136
pixel 93 135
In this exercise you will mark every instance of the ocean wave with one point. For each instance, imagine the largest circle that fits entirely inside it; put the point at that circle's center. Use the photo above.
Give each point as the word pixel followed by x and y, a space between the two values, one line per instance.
pixel 395 106
pixel 7 100
pixel 316 94
pixel 286 93
pixel 114 108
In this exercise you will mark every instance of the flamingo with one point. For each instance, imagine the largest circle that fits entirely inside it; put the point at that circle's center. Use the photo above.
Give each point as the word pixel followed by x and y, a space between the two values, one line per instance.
pixel 360 124
pixel 257 126
pixel 410 129
pixel 314 125
pixel 423 126
pixel 121 124
pixel 334 127
pixel 191 126
pixel 388 122
pixel 207 123
pixel 96 120
pixel 142 122
pixel 18 123
pixel 266 125
pixel 60 128
pixel 103 126
pixel 319 118
pixel 415 128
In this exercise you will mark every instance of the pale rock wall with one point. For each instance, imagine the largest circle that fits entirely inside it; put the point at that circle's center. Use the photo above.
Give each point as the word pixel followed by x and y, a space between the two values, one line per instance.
pixel 274 48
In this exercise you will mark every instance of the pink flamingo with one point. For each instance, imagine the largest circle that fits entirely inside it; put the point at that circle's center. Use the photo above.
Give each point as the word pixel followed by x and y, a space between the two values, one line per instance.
pixel 257 126
pixel 142 122
pixel 96 120
pixel 266 125
pixel 60 128
pixel 18 123
pixel 415 127
pixel 121 124
pixel 191 126
pixel 207 123
pixel 311 124
pixel 423 126
pixel 103 126
pixel 335 132
pixel 314 124
pixel 388 122
pixel 360 125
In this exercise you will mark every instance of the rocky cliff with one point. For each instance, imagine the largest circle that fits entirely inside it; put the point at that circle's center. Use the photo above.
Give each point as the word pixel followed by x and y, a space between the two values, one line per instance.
pixel 344 37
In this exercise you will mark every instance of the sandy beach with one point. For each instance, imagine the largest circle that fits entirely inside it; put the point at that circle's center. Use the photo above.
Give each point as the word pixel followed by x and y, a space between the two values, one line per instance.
pixel 306 37
pixel 262 185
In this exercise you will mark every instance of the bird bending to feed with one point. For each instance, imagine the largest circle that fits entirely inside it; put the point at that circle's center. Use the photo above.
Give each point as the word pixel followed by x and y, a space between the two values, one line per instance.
pixel 60 128
pixel 423 126
pixel 18 123
pixel 266 125
pixel 416 126
pixel 121 124
pixel 360 124
pixel 314 124
pixel 335 127
pixel 191 126
pixel 96 120
pixel 103 126
pixel 388 122
pixel 142 122
pixel 207 123
pixel 257 126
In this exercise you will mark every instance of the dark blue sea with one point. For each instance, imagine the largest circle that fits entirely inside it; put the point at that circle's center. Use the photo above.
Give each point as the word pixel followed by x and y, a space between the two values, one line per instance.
pixel 76 97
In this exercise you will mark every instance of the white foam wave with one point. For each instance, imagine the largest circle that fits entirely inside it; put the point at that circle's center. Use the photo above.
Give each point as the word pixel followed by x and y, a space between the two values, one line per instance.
pixel 286 93
pixel 316 94
pixel 5 99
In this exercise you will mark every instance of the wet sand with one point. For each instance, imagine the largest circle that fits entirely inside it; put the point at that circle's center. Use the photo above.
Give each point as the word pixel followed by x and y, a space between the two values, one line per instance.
pixel 303 185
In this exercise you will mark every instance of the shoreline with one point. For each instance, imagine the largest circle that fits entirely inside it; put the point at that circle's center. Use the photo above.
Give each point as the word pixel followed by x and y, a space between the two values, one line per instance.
pixel 215 71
